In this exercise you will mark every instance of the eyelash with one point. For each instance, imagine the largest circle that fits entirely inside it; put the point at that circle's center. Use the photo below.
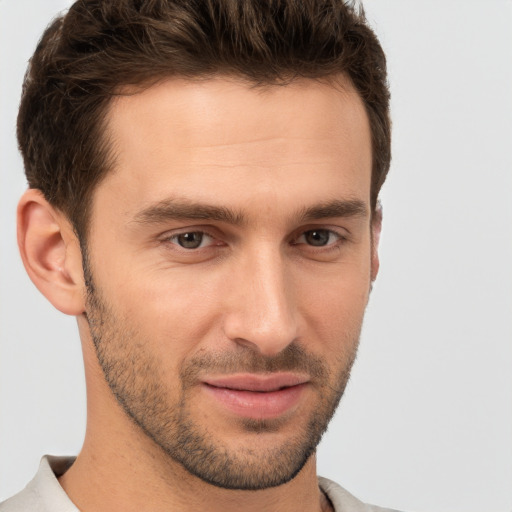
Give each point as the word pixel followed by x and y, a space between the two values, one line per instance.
pixel 198 232
pixel 340 239
pixel 330 233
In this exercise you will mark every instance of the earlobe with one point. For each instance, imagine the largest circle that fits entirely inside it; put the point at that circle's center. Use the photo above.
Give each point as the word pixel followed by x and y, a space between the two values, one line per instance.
pixel 376 230
pixel 50 252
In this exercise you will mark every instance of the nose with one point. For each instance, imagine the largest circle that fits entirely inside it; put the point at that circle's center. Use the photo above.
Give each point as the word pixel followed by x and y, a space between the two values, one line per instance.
pixel 262 307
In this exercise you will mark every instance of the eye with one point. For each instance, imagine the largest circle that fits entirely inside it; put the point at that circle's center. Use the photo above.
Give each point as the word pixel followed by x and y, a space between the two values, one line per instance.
pixel 319 237
pixel 191 240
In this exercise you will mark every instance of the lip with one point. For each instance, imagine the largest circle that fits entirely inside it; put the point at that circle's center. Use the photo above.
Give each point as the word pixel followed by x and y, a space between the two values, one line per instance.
pixel 257 396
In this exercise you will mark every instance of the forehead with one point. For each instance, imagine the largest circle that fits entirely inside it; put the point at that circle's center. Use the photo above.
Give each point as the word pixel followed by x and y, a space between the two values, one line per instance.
pixel 201 106
pixel 225 140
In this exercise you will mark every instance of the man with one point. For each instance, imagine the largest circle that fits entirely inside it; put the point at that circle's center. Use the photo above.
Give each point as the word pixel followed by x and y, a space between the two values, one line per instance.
pixel 203 198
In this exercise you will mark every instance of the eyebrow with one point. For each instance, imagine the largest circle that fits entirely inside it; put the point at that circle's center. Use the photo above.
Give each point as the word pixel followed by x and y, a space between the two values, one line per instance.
pixel 176 209
pixel 335 208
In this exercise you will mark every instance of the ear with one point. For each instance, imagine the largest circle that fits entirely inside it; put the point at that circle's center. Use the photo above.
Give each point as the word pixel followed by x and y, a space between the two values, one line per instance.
pixel 376 228
pixel 51 253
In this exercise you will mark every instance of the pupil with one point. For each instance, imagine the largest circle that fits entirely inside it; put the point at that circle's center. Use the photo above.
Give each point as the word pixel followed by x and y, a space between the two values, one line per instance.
pixel 317 237
pixel 190 240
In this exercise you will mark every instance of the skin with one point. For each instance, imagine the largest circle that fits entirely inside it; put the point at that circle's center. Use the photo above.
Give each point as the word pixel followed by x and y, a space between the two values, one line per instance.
pixel 253 292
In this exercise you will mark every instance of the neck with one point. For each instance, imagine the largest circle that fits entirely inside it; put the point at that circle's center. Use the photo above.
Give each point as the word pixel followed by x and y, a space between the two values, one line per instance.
pixel 128 479
pixel 129 472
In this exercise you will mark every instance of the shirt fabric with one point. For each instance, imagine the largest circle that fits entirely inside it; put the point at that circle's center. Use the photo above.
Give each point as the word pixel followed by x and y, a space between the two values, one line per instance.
pixel 44 493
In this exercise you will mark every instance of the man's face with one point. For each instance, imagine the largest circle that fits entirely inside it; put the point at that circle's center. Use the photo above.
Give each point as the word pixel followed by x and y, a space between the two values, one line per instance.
pixel 230 263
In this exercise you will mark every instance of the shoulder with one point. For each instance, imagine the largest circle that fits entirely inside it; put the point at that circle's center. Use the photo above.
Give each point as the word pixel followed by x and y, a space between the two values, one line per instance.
pixel 25 500
pixel 43 493
pixel 343 501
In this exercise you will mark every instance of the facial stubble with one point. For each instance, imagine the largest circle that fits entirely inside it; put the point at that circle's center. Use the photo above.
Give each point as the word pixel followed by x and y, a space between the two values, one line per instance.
pixel 137 381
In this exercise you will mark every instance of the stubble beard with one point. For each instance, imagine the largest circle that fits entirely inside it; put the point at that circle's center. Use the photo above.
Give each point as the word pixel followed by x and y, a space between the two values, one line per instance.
pixel 136 380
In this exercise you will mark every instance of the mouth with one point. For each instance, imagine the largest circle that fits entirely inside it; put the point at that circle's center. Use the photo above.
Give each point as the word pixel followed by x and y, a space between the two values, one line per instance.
pixel 257 396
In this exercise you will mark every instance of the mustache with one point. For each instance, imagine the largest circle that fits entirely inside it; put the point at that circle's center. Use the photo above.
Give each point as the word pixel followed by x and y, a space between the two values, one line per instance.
pixel 293 358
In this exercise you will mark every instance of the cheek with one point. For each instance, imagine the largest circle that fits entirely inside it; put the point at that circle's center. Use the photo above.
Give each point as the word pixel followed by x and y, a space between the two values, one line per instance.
pixel 175 309
pixel 333 306
pixel 337 312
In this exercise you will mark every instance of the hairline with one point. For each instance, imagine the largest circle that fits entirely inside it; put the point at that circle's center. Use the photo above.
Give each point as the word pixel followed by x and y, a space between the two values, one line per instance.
pixel 105 142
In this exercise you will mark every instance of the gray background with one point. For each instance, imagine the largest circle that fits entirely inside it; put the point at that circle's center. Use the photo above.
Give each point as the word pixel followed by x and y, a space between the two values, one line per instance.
pixel 426 423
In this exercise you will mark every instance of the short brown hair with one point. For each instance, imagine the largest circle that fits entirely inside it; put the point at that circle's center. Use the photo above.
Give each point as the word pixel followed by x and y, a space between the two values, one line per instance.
pixel 86 56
